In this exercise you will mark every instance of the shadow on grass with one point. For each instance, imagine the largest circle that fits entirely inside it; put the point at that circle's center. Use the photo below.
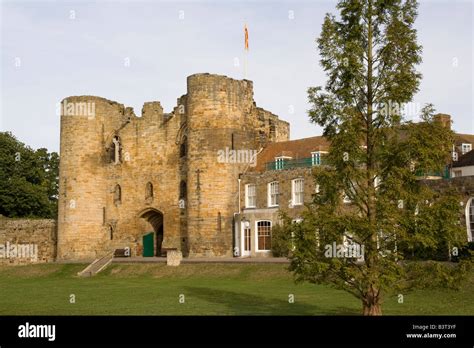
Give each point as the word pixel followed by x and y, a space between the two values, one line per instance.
pixel 252 304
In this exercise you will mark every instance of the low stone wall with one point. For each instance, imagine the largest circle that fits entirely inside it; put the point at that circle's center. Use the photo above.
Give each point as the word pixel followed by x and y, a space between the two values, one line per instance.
pixel 27 240
pixel 464 185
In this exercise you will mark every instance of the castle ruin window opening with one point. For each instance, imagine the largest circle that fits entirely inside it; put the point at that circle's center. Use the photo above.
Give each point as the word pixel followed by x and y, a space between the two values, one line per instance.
pixel 149 191
pixel 115 150
pixel 183 147
pixel 117 194
pixel 182 190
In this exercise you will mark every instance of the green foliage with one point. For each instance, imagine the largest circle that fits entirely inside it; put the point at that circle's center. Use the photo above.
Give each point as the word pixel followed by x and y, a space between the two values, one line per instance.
pixel 28 180
pixel 370 56
pixel 281 242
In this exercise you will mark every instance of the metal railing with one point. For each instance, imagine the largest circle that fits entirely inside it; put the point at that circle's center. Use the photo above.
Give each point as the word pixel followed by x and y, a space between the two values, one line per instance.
pixel 311 162
pixel 445 173
pixel 294 163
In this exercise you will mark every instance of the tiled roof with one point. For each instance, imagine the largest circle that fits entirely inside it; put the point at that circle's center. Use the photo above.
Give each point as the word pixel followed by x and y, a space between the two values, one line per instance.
pixel 464 138
pixel 465 160
pixel 300 148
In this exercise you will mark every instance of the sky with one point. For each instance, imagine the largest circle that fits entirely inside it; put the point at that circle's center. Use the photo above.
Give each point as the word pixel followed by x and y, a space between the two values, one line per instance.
pixel 138 51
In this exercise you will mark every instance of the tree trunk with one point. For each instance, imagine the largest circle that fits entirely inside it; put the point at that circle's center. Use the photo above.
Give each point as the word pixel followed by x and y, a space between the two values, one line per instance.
pixel 371 301
pixel 371 304
pixel 372 310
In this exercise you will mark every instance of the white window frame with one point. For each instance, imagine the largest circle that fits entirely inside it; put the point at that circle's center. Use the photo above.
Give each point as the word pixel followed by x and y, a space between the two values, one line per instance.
pixel 294 193
pixel 455 156
pixel 377 181
pixel 247 200
pixel 257 246
pixel 345 198
pixel 270 193
pixel 245 225
pixel 465 148
pixel 470 231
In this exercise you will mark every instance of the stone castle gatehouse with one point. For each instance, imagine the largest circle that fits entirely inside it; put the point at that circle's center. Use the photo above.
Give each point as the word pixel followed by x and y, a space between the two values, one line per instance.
pixel 156 182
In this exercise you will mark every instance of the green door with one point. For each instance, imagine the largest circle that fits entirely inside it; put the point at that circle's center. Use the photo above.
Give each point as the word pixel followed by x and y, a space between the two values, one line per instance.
pixel 148 245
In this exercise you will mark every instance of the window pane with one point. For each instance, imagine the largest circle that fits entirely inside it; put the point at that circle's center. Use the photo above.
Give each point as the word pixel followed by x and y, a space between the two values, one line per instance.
pixel 273 193
pixel 251 196
pixel 264 235
pixel 298 185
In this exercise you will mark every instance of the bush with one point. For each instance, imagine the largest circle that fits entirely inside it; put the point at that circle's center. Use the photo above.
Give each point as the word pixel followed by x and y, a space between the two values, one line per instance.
pixel 281 241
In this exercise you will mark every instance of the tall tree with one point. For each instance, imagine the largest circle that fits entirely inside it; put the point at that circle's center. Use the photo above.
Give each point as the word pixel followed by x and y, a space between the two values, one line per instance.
pixel 370 53
pixel 28 180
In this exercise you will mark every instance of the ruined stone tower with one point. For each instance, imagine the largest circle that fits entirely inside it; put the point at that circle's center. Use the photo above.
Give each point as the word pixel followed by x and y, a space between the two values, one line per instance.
pixel 123 176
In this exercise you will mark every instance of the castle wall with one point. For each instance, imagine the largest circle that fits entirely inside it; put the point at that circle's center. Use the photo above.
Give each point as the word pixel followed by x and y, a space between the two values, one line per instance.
pixel 217 113
pixel 82 187
pixel 38 236
pixel 219 118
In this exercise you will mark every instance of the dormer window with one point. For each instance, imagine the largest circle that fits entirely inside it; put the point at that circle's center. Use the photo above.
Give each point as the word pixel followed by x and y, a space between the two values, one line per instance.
pixel 280 162
pixel 317 158
pixel 465 148
pixel 455 156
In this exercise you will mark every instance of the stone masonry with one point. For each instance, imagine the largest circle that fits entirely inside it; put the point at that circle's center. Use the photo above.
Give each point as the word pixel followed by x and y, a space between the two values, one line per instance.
pixel 39 234
pixel 123 176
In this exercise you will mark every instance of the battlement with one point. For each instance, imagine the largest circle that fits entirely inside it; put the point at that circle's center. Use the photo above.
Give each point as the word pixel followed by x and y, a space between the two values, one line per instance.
pixel 152 108
pixel 218 89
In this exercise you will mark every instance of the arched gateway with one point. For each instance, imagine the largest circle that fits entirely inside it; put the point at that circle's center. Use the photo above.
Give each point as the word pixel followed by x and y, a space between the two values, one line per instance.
pixel 152 241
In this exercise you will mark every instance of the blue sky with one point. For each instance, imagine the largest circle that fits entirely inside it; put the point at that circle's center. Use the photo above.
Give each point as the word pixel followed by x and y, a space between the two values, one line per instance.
pixel 54 49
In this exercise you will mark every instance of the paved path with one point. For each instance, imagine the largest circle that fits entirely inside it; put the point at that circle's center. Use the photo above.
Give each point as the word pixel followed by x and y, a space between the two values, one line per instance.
pixel 202 260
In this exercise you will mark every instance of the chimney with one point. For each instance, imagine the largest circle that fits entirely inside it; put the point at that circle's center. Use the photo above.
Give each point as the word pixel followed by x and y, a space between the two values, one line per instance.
pixel 445 120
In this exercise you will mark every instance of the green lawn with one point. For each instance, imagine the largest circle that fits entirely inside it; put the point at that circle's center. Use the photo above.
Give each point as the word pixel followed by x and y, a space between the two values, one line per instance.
pixel 209 289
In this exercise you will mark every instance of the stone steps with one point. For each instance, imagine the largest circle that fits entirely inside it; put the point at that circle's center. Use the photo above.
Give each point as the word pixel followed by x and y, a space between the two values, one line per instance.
pixel 97 265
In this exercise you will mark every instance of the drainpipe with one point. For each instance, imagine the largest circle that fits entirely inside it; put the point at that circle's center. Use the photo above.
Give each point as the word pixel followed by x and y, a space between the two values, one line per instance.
pixel 239 180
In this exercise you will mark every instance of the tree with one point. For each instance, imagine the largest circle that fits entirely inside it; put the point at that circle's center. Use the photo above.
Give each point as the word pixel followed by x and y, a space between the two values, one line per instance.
pixel 28 180
pixel 370 54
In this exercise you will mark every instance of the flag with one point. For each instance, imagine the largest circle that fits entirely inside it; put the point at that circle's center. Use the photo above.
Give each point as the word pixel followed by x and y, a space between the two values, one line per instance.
pixel 246 31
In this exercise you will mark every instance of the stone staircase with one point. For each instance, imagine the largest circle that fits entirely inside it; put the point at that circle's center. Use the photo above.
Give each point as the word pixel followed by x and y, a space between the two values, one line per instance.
pixel 97 265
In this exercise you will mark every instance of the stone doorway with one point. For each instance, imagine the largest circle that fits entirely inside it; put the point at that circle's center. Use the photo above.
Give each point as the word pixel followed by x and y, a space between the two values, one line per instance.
pixel 155 219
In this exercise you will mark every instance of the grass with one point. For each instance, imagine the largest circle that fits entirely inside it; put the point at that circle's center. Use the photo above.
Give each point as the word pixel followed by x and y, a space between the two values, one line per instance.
pixel 209 289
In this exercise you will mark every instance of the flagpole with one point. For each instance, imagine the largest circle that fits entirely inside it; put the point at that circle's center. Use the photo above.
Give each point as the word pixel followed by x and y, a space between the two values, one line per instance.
pixel 246 49
pixel 245 64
